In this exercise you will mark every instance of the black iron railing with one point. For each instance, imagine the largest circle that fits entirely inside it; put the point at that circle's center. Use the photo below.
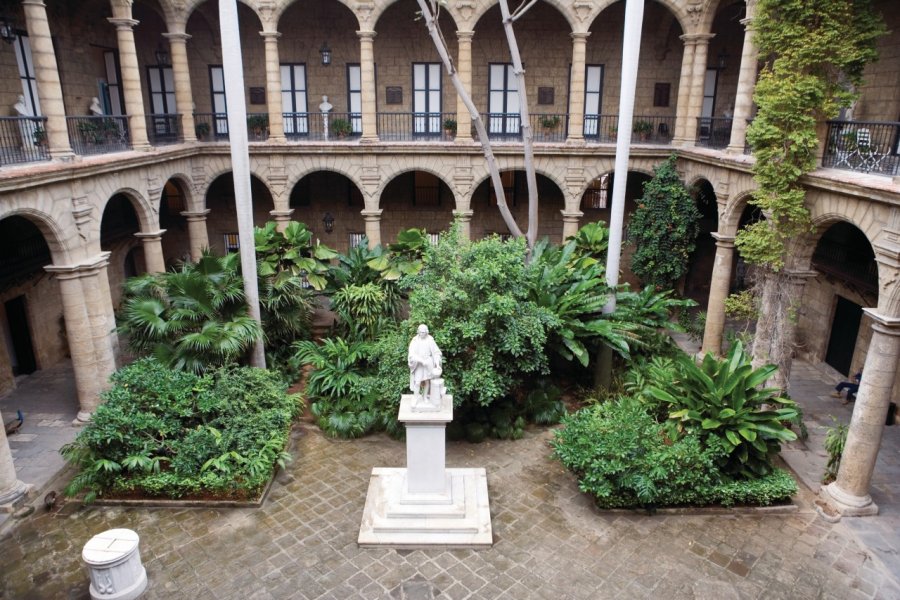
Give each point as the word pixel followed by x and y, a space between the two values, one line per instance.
pixel 416 127
pixel 164 129
pixel 99 135
pixel 545 128
pixel 714 132
pixel 863 146
pixel 645 129
pixel 551 128
pixel 23 140
pixel 319 127
pixel 211 127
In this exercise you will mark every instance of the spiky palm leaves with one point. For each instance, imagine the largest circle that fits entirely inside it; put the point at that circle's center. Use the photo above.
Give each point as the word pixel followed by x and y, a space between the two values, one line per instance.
pixel 191 319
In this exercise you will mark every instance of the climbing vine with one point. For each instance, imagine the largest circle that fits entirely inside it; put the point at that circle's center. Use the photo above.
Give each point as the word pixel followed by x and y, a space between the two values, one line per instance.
pixel 813 55
pixel 663 228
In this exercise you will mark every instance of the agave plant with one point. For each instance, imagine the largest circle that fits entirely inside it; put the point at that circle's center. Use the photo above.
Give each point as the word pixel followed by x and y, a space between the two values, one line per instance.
pixel 191 319
pixel 722 400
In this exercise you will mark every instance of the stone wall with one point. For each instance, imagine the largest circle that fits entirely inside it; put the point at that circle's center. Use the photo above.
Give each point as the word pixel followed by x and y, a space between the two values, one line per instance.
pixel 879 100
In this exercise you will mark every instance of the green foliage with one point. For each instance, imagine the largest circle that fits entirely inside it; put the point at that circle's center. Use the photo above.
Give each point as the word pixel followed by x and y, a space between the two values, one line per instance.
pixel 160 431
pixel 403 257
pixel 341 127
pixel 192 319
pixel 291 253
pixel 592 241
pixel 813 55
pixel 649 312
pixel 835 439
pixel 362 310
pixel 624 458
pixel 720 400
pixel 663 229
pixel 742 305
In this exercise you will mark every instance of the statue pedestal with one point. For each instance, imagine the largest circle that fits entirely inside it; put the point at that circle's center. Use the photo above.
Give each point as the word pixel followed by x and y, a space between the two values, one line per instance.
pixel 426 504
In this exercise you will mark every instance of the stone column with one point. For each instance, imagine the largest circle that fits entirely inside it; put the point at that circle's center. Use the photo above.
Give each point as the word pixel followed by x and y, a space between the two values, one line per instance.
pixel 197 233
pixel 373 225
pixel 184 99
pixel 576 90
pixel 98 319
pixel 273 86
pixel 695 87
pixel 47 76
pixel 464 216
pixel 108 308
pixel 12 491
pixel 281 218
pixel 464 69
pixel 718 291
pixel 850 492
pixel 81 346
pixel 367 74
pixel 571 221
pixel 131 74
pixel 687 66
pixel 153 254
pixel 743 101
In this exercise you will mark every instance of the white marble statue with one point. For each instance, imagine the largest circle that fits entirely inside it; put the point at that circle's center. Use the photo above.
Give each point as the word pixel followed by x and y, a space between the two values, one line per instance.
pixel 20 107
pixel 325 108
pixel 424 360
pixel 95 108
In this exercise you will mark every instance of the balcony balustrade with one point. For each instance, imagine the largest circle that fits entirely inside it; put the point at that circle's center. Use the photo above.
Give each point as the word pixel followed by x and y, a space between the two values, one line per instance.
pixel 163 129
pixel 23 140
pixel 714 132
pixel 416 127
pixel 863 146
pixel 99 135
pixel 645 129
pixel 322 127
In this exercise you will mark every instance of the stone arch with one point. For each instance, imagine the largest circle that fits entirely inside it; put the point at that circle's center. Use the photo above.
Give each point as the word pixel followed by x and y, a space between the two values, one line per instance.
pixel 295 178
pixel 351 6
pixel 445 178
pixel 187 188
pixel 49 228
pixel 148 216
pixel 677 8
pixel 559 5
pixel 322 193
pixel 227 170
pixel 379 12
pixel 191 6
pixel 518 165
pixel 730 219
pixel 705 21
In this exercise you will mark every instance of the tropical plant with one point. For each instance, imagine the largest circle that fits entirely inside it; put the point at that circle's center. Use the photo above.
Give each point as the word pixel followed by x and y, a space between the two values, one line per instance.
pixel 643 128
pixel 361 310
pixel 293 252
pixel 549 121
pixel 592 241
pixel 835 439
pixel 341 127
pixel 403 257
pixel 191 319
pixel 663 229
pixel 353 269
pixel 201 130
pixel 649 313
pixel 450 125
pixel 163 432
pixel 257 124
pixel 721 400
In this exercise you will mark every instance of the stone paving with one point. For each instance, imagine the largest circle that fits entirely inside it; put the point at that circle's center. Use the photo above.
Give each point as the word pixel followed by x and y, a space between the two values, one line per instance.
pixel 549 540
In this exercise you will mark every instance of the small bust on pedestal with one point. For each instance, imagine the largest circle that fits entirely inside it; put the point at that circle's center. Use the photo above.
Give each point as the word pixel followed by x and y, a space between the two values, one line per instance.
pixel 424 360
pixel 20 107
pixel 95 107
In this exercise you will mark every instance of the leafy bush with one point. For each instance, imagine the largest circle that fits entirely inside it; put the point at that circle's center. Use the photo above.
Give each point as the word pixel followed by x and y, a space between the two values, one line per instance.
pixel 163 432
pixel 403 257
pixel 835 439
pixel 624 458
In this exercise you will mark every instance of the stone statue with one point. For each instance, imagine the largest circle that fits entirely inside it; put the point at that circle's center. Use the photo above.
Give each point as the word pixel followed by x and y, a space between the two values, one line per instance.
pixel 326 106
pixel 20 107
pixel 95 108
pixel 424 360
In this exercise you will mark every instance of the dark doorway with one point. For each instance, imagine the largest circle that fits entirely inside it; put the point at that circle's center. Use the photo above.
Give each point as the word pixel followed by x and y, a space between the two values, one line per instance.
pixel 22 351
pixel 844 330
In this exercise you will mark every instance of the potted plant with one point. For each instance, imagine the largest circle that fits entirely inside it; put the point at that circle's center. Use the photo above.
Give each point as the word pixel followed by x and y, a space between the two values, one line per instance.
pixel 258 125
pixel 550 121
pixel 644 129
pixel 450 127
pixel 613 132
pixel 341 128
pixel 39 135
pixel 201 130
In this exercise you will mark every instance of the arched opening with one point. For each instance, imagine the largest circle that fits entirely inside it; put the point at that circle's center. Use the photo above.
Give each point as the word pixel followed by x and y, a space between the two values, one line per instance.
pixel 596 204
pixel 415 199
pixel 741 273
pixel 222 220
pixel 32 331
pixel 722 72
pixel 702 260
pixel 831 325
pixel 117 229
pixel 326 193
pixel 176 242
pixel 487 219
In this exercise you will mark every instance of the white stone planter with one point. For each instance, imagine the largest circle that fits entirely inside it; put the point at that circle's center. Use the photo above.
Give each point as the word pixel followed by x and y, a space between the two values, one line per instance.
pixel 114 561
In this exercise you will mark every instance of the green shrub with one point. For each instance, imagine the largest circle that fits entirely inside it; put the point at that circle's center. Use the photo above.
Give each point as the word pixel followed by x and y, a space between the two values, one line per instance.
pixel 835 439
pixel 165 432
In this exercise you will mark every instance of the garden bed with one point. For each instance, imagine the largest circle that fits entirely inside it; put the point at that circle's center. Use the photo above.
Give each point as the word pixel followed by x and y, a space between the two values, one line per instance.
pixel 208 500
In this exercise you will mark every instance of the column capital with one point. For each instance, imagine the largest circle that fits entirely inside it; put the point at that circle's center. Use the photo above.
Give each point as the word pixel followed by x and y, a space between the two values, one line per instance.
pixel 283 214
pixel 883 323
pixel 463 215
pixel 465 35
pixel 723 240
pixel 571 215
pixel 123 24
pixel 798 275
pixel 270 36
pixel 697 38
pixel 34 3
pixel 580 36
pixel 150 236
pixel 195 215
pixel 75 270
pixel 178 37
pixel 372 215
pixel 366 34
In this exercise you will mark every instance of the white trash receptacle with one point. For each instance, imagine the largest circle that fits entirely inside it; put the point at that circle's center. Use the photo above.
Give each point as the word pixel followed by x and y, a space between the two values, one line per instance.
pixel 114 560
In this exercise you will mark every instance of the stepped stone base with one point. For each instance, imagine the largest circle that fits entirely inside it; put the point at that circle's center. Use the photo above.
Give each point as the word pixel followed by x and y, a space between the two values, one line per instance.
pixel 458 518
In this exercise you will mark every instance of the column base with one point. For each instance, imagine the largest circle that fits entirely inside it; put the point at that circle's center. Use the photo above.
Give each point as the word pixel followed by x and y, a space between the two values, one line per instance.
pixel 395 518
pixel 82 418
pixel 19 494
pixel 846 504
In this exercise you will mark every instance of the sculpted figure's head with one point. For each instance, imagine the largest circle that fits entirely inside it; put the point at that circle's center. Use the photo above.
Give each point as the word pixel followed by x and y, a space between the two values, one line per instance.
pixel 423 331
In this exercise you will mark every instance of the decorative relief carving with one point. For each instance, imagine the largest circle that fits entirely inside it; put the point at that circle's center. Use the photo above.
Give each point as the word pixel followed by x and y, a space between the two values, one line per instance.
pixel 81 212
pixel 582 9
pixel 695 12
pixel 465 9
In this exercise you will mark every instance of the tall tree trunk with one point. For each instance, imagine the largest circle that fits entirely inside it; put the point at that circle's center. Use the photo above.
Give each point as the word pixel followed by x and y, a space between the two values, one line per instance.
pixel 773 342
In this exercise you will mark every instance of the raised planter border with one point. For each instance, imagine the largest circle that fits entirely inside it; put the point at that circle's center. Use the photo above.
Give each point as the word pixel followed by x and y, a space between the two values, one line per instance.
pixel 699 511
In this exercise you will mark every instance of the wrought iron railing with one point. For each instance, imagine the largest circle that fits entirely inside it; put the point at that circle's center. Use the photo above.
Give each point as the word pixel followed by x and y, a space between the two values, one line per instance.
pixel 645 129
pixel 863 146
pixel 714 132
pixel 211 127
pixel 164 129
pixel 319 127
pixel 549 127
pixel 99 135
pixel 23 140
pixel 545 128
pixel 416 127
